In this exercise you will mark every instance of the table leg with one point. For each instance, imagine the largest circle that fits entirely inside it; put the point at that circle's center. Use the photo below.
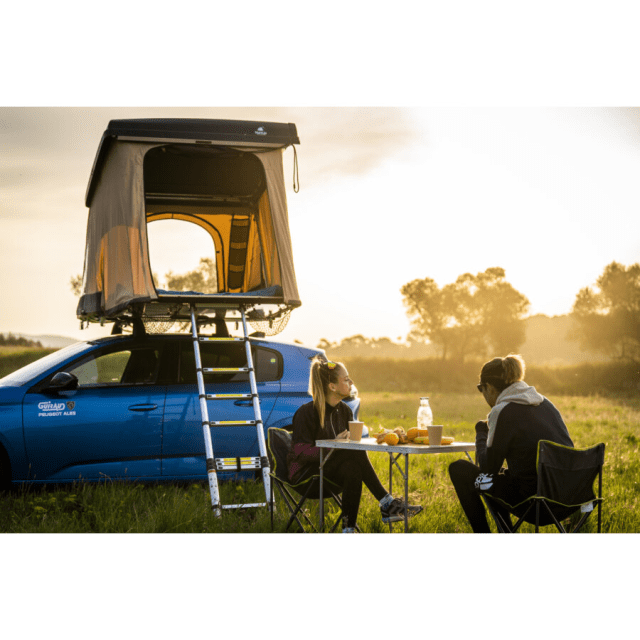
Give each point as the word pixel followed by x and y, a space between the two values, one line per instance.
pixel 390 484
pixel 405 474
pixel 323 461
pixel 321 505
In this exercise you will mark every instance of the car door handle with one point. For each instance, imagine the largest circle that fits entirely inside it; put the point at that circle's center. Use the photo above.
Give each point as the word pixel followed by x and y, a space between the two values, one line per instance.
pixel 245 403
pixel 143 407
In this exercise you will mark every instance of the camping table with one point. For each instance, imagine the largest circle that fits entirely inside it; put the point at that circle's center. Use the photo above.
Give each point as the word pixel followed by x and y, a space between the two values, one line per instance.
pixel 370 444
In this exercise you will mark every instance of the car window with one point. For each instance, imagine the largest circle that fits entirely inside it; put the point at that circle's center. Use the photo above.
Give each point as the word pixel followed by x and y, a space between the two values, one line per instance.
pixel 268 363
pixel 29 372
pixel 128 366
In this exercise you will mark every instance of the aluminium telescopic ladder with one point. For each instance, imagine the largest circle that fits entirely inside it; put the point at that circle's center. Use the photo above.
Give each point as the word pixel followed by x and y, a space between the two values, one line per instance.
pixel 241 463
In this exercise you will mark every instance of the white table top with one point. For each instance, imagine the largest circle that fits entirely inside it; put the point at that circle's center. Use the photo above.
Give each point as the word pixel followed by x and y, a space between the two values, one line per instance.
pixel 370 444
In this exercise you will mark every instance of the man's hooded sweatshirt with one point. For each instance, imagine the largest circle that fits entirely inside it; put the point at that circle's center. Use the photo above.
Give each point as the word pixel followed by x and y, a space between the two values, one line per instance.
pixel 515 425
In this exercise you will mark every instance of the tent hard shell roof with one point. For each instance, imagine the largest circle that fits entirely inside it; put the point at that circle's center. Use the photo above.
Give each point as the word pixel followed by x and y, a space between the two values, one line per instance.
pixel 226 177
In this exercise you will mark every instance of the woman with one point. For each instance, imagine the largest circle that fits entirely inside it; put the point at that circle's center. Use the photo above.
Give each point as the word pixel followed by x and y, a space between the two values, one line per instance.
pixel 326 418
pixel 519 418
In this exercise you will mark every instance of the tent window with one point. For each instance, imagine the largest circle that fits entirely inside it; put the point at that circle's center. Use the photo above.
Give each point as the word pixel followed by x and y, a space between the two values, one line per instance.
pixel 182 256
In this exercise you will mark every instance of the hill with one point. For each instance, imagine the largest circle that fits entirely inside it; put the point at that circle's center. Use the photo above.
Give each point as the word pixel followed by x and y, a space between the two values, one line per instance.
pixel 49 341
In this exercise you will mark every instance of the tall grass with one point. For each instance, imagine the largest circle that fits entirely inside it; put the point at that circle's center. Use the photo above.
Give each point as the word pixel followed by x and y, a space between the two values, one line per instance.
pixel 113 507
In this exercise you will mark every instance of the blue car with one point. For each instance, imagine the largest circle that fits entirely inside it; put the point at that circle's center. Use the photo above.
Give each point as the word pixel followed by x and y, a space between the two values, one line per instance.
pixel 125 407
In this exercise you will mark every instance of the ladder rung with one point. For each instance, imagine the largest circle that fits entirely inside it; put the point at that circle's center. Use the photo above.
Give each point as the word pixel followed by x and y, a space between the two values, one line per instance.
pixel 226 370
pixel 228 396
pixel 244 506
pixel 237 464
pixel 212 339
pixel 228 423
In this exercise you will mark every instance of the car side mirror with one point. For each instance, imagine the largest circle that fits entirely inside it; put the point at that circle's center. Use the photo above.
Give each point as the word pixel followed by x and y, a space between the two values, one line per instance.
pixel 63 381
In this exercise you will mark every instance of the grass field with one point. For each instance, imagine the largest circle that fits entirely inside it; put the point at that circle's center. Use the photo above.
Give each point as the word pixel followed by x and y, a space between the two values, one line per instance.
pixel 114 507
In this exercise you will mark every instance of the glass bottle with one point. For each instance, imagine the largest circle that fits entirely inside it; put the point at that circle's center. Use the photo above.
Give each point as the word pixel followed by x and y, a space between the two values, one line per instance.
pixel 425 415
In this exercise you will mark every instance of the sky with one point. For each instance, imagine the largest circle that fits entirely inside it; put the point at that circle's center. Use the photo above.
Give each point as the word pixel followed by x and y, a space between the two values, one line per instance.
pixel 387 195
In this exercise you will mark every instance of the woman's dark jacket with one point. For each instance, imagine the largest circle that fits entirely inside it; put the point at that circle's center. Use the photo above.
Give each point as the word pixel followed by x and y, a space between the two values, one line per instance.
pixel 519 420
pixel 304 458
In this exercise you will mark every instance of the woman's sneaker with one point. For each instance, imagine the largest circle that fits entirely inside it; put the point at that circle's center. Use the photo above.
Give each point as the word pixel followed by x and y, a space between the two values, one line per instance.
pixel 394 511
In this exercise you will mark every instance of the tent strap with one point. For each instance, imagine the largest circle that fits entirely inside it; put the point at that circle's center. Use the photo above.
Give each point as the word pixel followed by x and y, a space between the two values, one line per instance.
pixel 296 174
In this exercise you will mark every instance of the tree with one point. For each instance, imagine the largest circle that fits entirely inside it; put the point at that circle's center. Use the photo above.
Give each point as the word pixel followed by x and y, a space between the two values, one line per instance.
pixel 76 285
pixel 471 316
pixel 608 319
pixel 203 279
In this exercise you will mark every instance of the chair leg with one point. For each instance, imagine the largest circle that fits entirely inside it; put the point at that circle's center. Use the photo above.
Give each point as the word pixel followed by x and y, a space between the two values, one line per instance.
pixel 599 497
pixel 501 525
pixel 580 523
pixel 300 510
pixel 290 501
pixel 271 502
pixel 518 524
pixel 559 526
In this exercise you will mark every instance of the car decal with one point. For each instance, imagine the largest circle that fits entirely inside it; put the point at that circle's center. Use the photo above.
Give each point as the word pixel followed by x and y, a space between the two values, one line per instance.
pixel 53 409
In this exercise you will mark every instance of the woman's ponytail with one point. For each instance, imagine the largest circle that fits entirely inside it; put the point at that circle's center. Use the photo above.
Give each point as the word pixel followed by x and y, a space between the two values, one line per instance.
pixel 321 375
pixel 514 368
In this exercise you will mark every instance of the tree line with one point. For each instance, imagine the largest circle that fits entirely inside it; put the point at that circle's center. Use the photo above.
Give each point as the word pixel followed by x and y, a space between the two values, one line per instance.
pixel 483 314
pixel 9 340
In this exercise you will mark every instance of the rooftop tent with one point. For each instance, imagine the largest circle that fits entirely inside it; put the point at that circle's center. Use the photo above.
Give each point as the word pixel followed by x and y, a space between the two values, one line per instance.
pixel 224 176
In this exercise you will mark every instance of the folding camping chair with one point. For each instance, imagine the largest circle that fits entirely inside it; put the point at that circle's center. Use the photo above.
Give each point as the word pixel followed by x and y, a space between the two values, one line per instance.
pixel 279 446
pixel 565 485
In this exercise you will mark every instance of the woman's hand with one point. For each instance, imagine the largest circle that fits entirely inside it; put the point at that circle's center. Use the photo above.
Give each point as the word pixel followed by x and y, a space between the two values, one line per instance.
pixel 344 435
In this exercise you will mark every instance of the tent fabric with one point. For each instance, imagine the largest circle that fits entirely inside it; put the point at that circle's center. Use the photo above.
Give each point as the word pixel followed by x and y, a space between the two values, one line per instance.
pixel 252 241
pixel 116 265
pixel 272 162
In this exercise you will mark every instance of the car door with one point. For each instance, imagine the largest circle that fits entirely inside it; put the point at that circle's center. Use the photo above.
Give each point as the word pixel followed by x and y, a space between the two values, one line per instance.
pixel 110 427
pixel 183 453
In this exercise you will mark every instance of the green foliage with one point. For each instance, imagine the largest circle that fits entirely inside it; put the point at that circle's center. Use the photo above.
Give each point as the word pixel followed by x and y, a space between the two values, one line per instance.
pixel 471 316
pixel 203 279
pixel 609 318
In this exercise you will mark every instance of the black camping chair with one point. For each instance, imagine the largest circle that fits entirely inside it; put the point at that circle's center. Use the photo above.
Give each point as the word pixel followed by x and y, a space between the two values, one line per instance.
pixel 565 486
pixel 279 445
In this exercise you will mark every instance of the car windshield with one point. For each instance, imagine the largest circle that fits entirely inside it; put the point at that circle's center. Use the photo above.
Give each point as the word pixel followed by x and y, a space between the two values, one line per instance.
pixel 33 370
